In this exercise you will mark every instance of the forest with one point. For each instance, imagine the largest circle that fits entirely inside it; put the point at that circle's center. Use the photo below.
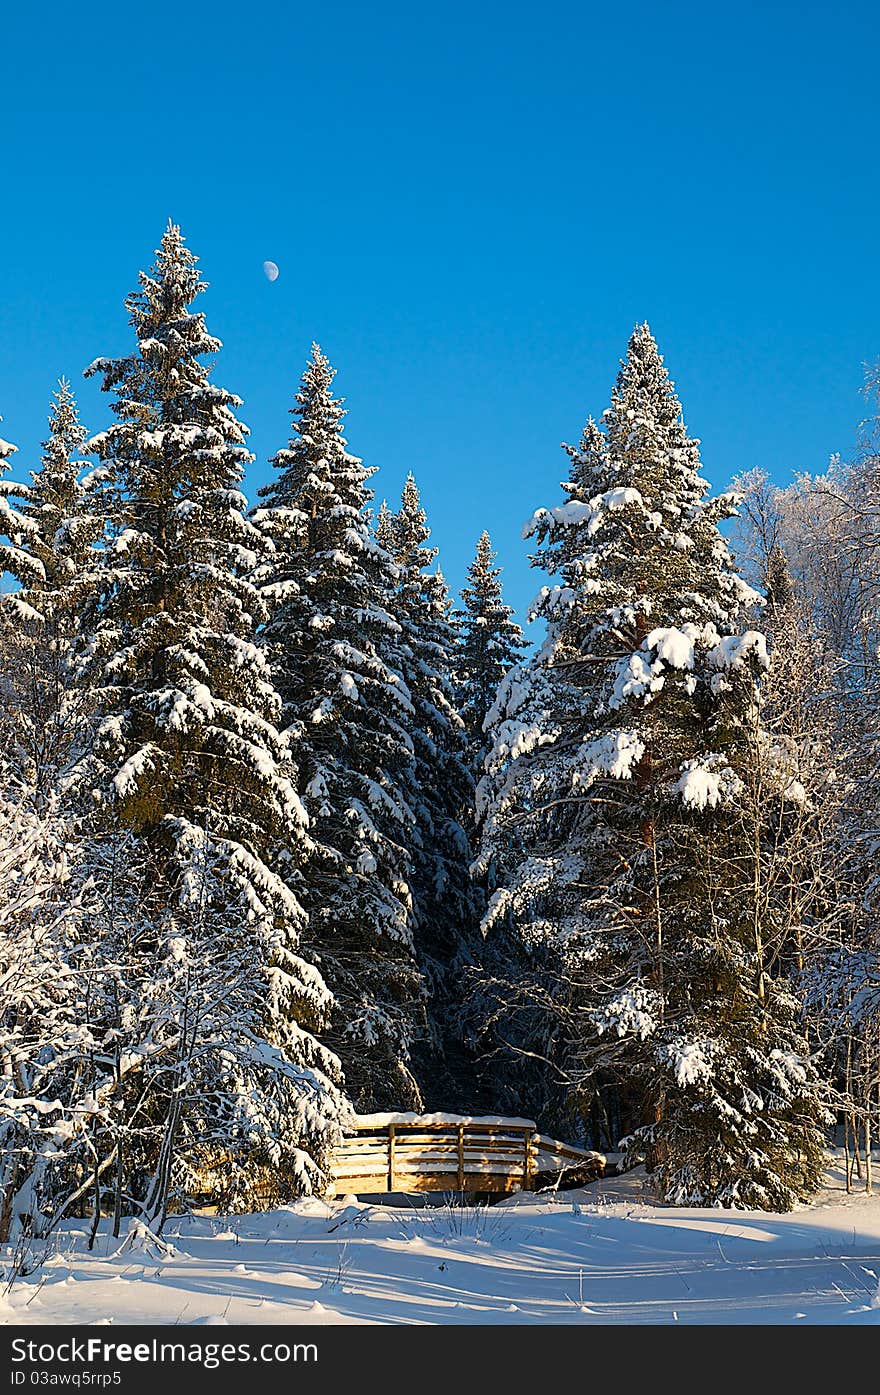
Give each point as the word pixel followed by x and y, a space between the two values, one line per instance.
pixel 288 831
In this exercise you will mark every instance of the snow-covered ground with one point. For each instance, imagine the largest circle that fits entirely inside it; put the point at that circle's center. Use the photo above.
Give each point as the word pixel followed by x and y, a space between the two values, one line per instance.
pixel 604 1254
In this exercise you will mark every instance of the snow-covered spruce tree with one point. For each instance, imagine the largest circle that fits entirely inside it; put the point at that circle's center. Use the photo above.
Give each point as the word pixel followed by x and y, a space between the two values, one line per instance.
pixel 16 556
pixel 612 819
pixel 441 795
pixel 12 524
pixel 189 756
pixel 54 526
pixel 779 586
pixel 332 643
pixel 7 449
pixel 65 511
pixel 492 643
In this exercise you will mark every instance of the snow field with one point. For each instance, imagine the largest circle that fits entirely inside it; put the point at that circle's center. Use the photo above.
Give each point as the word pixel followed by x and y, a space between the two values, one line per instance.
pixel 603 1254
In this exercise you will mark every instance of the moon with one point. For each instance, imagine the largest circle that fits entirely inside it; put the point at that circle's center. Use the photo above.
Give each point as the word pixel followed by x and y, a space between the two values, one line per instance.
pixel 271 271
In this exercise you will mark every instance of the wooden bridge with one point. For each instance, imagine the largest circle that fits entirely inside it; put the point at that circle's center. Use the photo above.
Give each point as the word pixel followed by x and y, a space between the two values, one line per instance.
pixel 450 1152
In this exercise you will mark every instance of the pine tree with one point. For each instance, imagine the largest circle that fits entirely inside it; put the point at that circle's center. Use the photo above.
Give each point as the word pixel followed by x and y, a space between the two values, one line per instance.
pixel 57 523
pixel 778 583
pixel 66 514
pixel 16 527
pixel 188 754
pixel 12 526
pixel 492 643
pixel 332 643
pixel 613 823
pixel 440 789
pixel 7 449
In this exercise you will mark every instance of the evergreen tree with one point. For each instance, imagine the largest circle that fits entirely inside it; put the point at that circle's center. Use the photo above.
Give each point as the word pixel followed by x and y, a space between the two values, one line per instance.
pixel 12 557
pixel 7 449
pixel 188 754
pixel 65 516
pixel 440 789
pixel 612 818
pixel 332 642
pixel 778 583
pixel 16 528
pixel 57 521
pixel 492 643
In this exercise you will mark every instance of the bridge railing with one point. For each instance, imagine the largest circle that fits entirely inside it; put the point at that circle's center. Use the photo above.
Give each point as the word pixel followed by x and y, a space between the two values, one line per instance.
pixel 412 1153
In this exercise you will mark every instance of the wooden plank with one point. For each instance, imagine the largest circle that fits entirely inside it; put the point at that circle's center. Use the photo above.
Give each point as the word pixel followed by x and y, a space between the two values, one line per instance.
pixel 513 1155
pixel 461 1157
pixel 568 1150
pixel 429 1145
pixel 451 1166
pixel 448 1138
pixel 359 1185
pixel 500 1182
pixel 404 1150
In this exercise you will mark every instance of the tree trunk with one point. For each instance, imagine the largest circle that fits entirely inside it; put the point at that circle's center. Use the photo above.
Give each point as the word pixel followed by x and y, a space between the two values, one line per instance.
pixel 117 1195
pixel 96 1219
pixel 869 1161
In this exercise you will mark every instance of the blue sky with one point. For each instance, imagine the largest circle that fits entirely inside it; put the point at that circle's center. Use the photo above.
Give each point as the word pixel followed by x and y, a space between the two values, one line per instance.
pixel 471 205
